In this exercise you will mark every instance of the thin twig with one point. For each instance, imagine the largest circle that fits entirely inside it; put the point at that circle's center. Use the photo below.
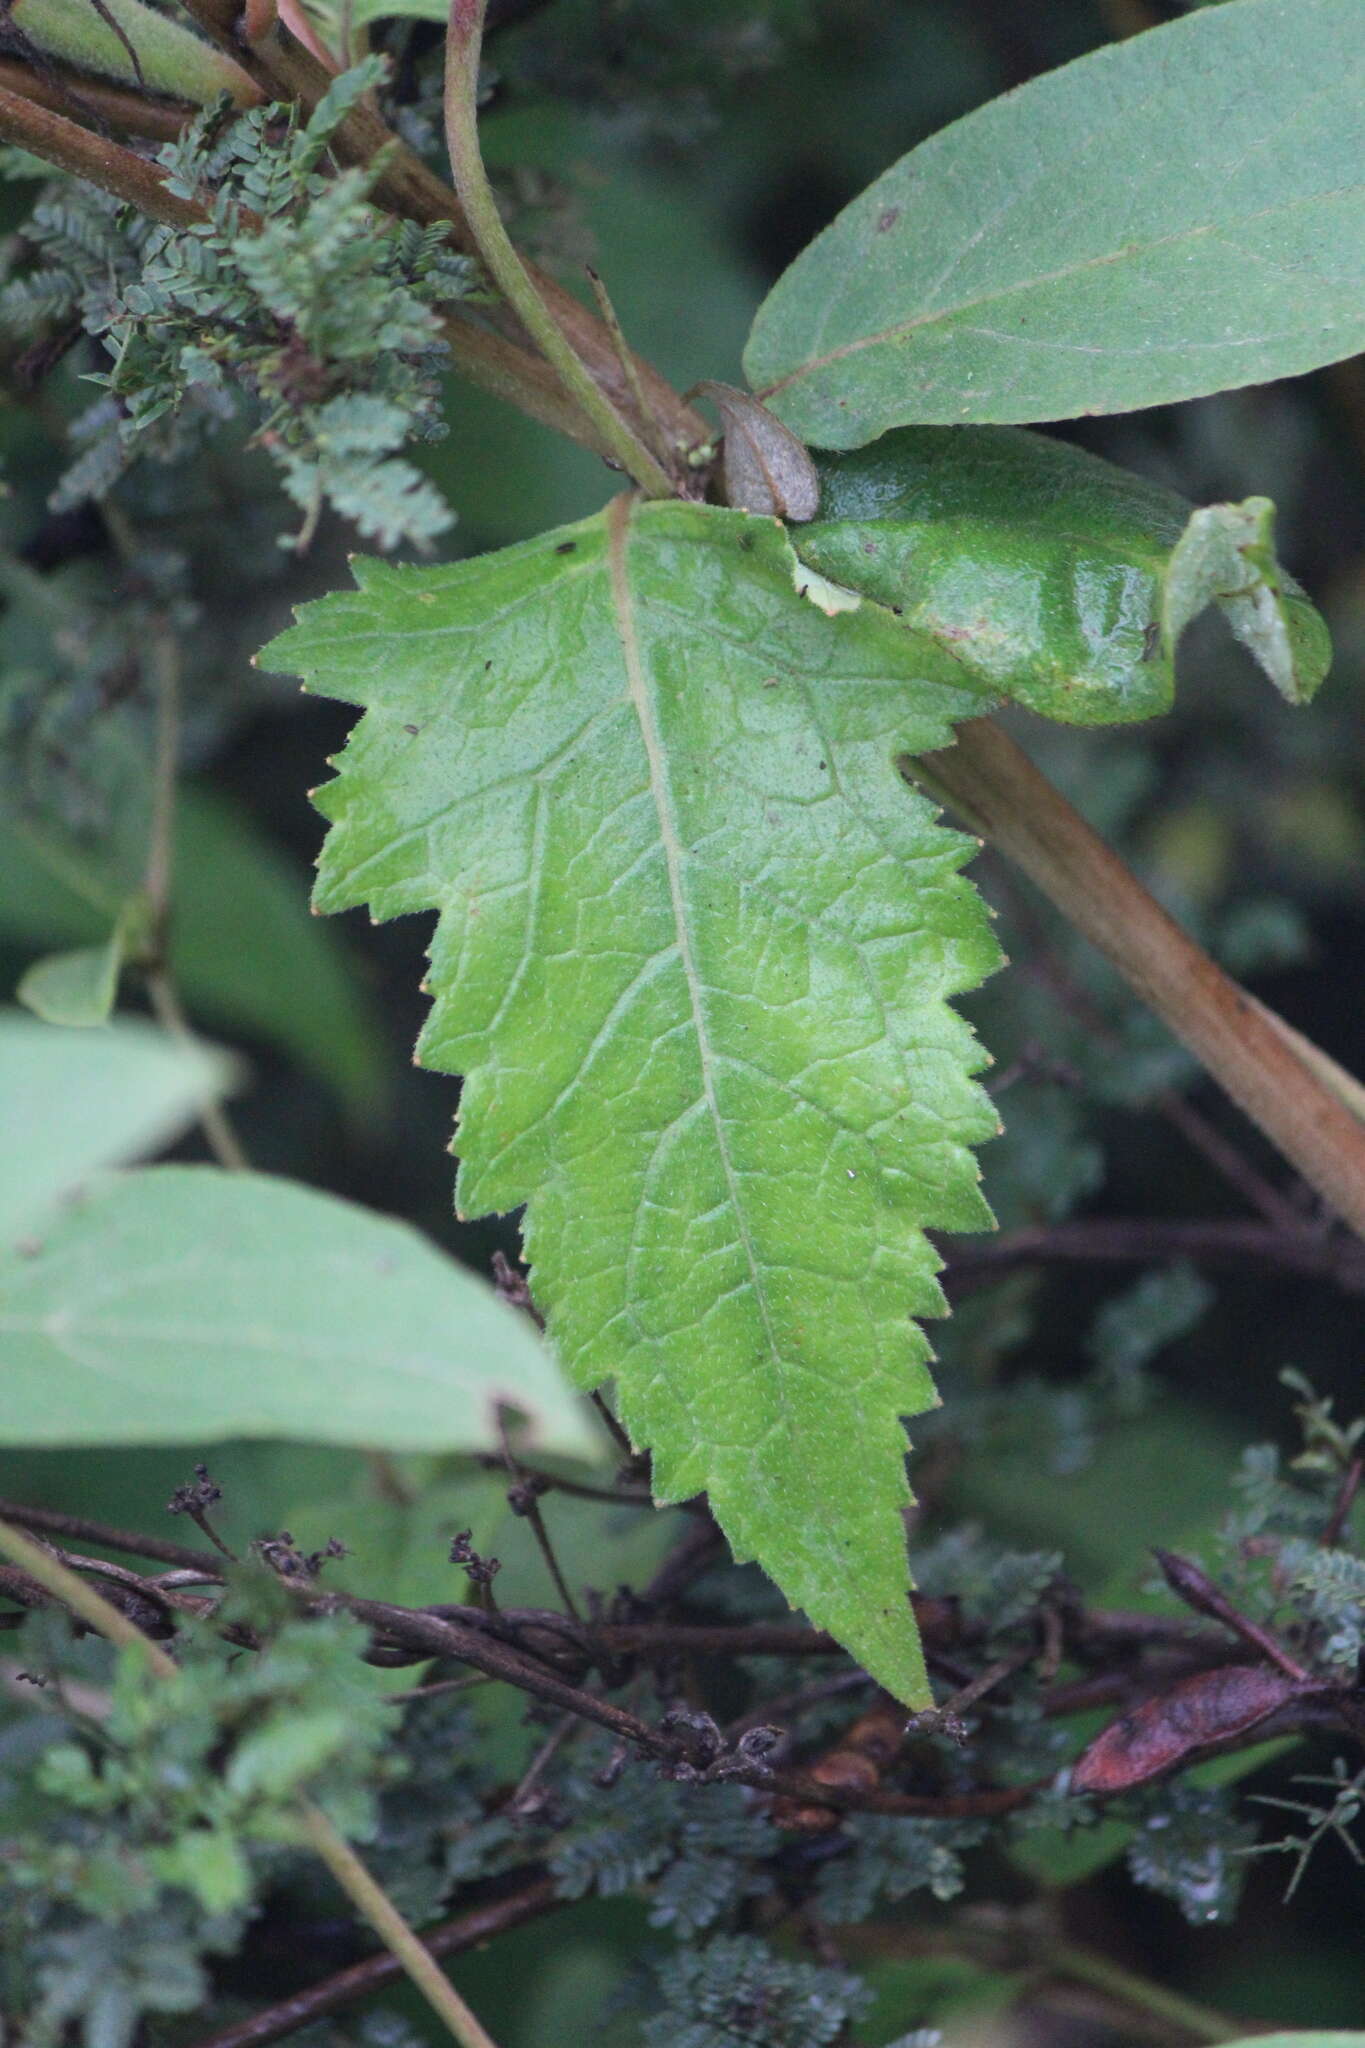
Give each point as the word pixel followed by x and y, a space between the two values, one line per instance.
pixel 534 1896
pixel 374 1903
pixel 1145 1241
pixel 464 38
pixel 369 1898
pixel 1087 1966
pixel 219 1135
pixel 162 993
pixel 993 785
pixel 1344 1502
pixel 54 1522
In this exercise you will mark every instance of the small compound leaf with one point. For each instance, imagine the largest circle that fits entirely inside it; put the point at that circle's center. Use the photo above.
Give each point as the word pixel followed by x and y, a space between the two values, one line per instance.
pixel 765 467
pixel 185 1305
pixel 1180 213
pixel 695 945
pixel 1060 580
pixel 74 1102
pixel 1226 556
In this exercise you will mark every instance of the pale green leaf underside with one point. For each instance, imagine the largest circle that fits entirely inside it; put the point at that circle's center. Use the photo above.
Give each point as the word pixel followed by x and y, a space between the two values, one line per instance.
pixel 245 954
pixel 1180 213
pixel 72 1102
pixel 1063 582
pixel 695 945
pixel 185 1305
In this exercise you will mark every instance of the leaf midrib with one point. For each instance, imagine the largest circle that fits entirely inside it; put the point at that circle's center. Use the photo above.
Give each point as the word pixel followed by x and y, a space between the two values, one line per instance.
pixel 641 700
pixel 948 314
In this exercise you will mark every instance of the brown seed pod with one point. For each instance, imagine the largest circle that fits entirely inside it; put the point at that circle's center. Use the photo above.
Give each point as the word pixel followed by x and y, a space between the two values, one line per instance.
pixel 1201 1714
pixel 855 1764
pixel 765 467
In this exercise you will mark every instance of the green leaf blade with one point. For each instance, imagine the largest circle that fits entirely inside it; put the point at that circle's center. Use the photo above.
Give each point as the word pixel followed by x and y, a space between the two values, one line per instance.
pixel 188 1305
pixel 1062 581
pixel 693 960
pixel 72 1103
pixel 1126 231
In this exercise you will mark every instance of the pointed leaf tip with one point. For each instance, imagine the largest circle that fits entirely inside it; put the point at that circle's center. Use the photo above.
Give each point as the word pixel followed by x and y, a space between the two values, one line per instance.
pixel 693 960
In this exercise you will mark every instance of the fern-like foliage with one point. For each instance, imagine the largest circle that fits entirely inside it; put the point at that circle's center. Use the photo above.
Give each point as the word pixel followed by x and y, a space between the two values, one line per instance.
pixel 737 1990
pixel 295 295
pixel 136 1831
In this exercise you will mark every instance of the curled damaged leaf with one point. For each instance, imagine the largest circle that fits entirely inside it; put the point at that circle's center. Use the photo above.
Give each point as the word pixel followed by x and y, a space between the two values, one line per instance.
pixel 764 467
pixel 1057 579
pixel 695 946
pixel 1199 1716
pixel 1226 556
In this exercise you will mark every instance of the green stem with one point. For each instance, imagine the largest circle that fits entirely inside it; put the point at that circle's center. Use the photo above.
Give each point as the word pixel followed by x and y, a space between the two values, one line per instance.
pixel 464 39
pixel 1085 1966
pixel 72 1591
pixel 369 1898
pixel 375 1905
pixel 133 44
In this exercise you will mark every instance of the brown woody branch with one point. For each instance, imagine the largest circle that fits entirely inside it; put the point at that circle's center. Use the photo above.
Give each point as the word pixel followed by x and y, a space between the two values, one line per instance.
pixel 491 349
pixel 548 1655
pixel 1316 1254
pixel 991 783
pixel 50 135
pixel 533 1895
pixel 72 93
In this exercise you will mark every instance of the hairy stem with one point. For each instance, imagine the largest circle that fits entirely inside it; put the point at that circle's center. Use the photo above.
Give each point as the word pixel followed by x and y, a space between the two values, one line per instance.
pixel 107 164
pixel 991 783
pixel 116 105
pixel 371 1900
pixel 464 40
pixel 1085 1966
pixel 135 45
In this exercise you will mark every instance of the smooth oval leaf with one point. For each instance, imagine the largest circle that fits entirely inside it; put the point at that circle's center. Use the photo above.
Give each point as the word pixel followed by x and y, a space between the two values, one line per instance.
pixel 185 1305
pixel 1315 2038
pixel 75 989
pixel 696 939
pixel 1180 213
pixel 245 953
pixel 1063 581
pixel 73 1102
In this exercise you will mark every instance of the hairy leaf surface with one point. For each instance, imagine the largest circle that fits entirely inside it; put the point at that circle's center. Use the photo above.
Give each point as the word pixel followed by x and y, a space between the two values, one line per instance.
pixel 185 1305
pixel 695 943
pixel 1063 581
pixel 1176 214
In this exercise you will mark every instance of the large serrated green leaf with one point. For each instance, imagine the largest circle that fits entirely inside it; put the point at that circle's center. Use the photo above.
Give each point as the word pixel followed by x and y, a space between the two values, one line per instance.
pixel 1063 581
pixel 1176 214
pixel 693 959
